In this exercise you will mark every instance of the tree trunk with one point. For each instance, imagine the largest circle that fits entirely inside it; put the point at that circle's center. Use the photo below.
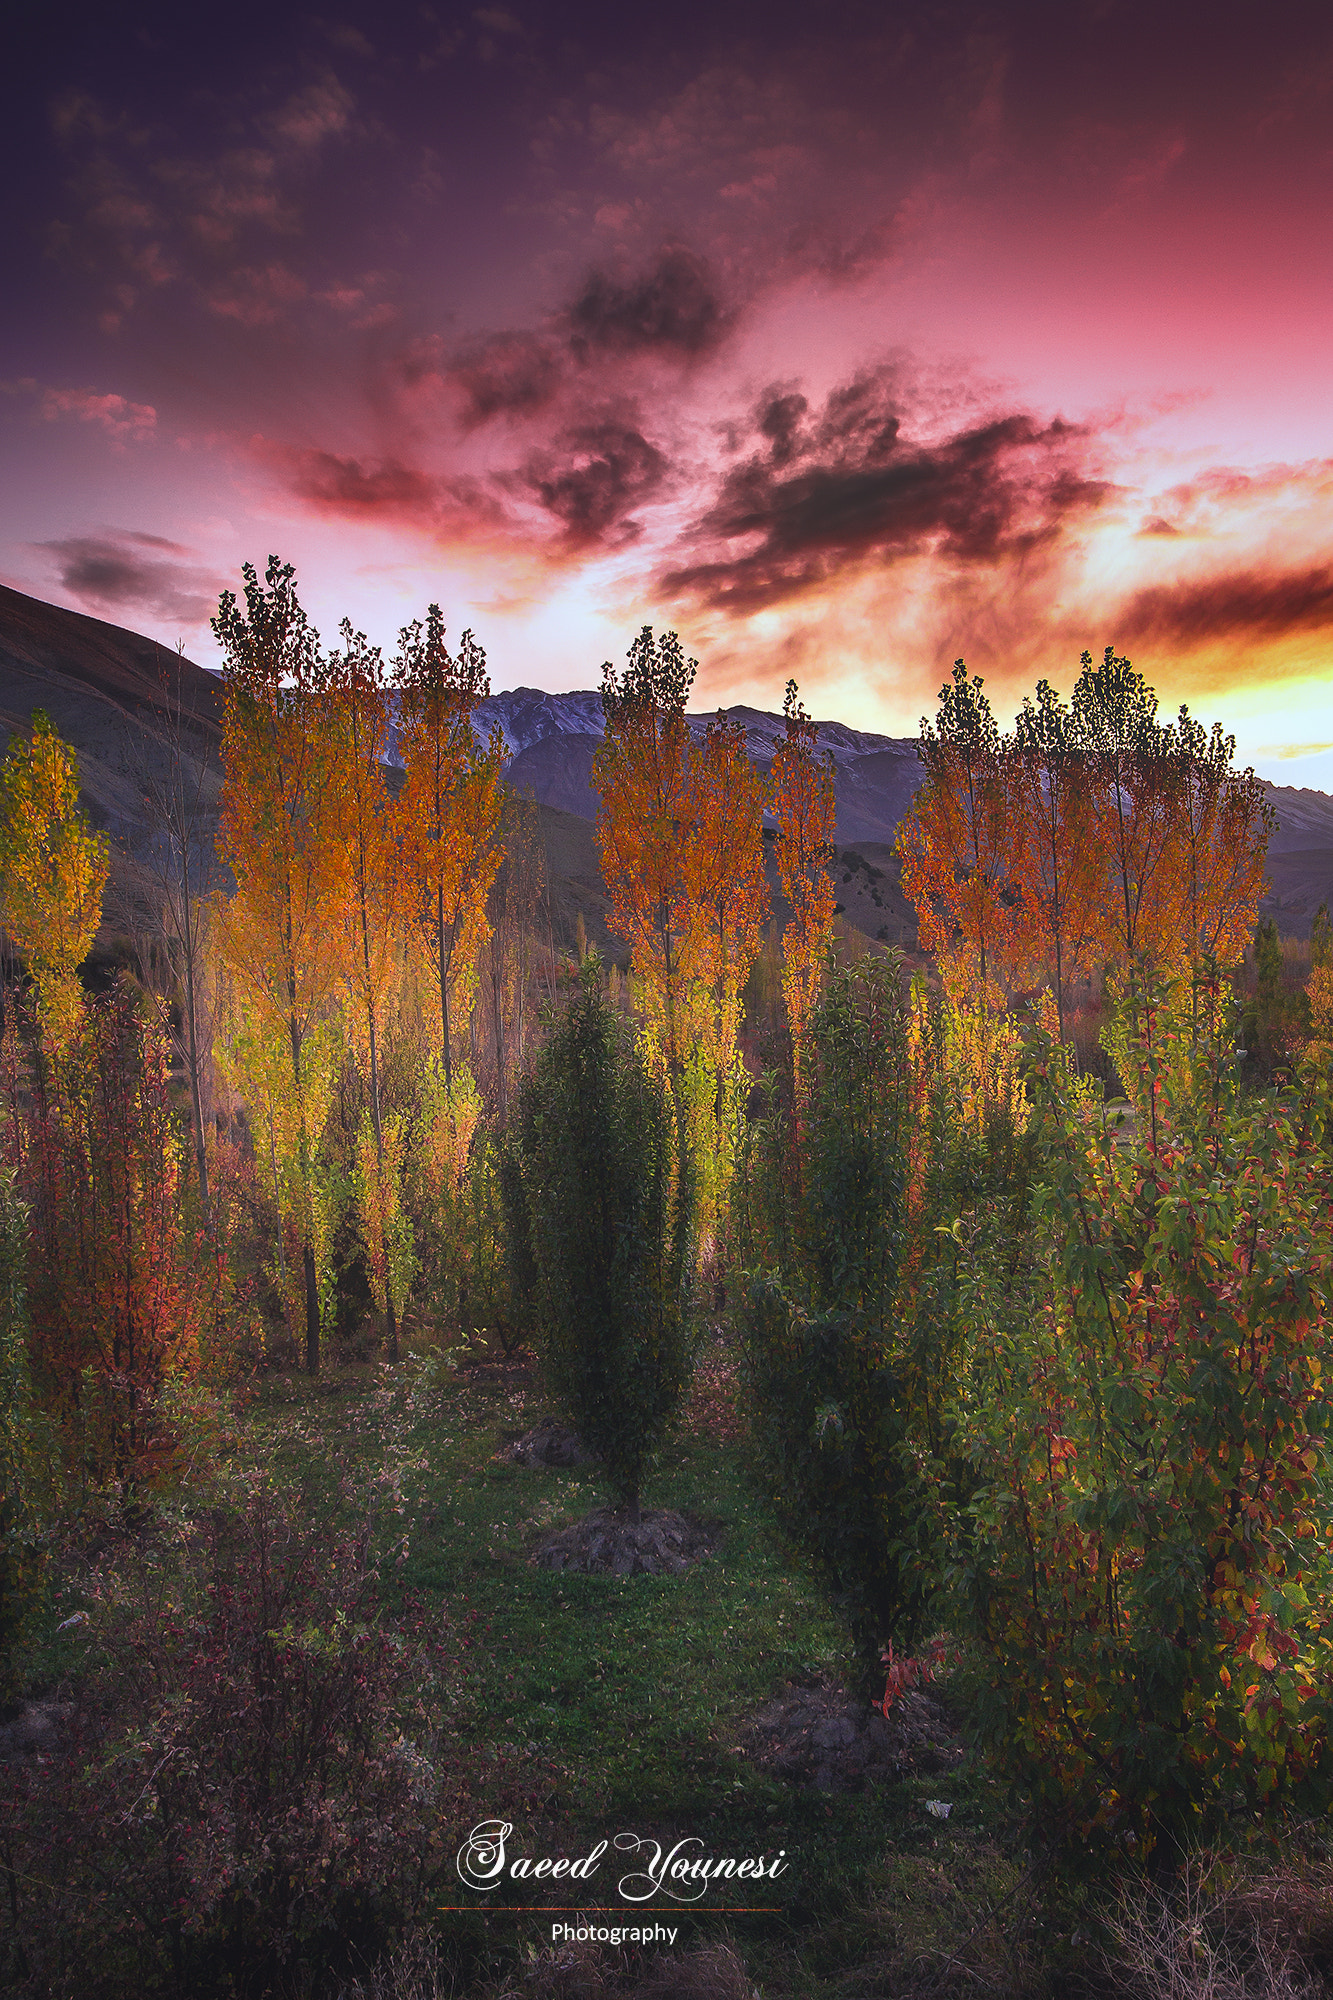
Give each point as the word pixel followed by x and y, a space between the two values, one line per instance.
pixel 311 1311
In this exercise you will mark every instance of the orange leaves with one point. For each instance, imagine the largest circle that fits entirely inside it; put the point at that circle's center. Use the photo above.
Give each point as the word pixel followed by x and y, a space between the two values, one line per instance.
pixel 959 844
pixel 725 884
pixel 280 830
pixel 281 804
pixel 680 831
pixel 371 891
pixel 803 807
pixel 644 823
pixel 450 813
pixel 1091 834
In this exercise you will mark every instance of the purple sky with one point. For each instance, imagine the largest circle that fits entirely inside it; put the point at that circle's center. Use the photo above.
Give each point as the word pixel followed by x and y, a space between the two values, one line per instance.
pixel 843 340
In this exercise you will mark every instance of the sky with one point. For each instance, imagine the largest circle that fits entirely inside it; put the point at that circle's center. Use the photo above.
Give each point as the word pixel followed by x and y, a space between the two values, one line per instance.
pixel 846 341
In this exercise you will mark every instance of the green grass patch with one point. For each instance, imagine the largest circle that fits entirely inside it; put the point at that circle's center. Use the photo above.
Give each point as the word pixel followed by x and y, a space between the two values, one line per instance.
pixel 632 1691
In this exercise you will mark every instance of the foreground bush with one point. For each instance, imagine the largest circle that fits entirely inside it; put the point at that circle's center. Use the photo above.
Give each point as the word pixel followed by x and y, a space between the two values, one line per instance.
pixel 1145 1557
pixel 601 1210
pixel 25 1468
pixel 118 1285
pixel 259 1780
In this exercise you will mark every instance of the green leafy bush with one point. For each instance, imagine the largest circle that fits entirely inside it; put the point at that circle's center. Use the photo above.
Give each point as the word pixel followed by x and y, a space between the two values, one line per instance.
pixel 821 1231
pixel 1145 1557
pixel 600 1203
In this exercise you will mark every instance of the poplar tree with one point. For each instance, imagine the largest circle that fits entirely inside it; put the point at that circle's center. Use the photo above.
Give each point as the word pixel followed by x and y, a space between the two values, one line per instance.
pixel 371 909
pixel 280 832
pixel 803 806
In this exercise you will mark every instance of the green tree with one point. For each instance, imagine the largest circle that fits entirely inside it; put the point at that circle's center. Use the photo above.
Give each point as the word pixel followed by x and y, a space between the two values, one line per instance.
pixel 603 1208
pixel 821 1227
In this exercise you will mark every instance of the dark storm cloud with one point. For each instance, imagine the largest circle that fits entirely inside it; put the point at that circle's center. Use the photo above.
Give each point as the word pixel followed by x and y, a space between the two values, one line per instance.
pixel 385 491
pixel 828 489
pixel 355 486
pixel 594 479
pixel 1245 604
pixel 510 374
pixel 671 308
pixel 125 570
pixel 670 311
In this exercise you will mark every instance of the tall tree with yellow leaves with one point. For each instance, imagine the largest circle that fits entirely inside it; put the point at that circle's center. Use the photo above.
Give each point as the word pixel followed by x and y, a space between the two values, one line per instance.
pixel 644 770
pixel 724 878
pixel 450 807
pixel 53 870
pixel 959 843
pixel 803 806
pixel 280 832
pixel 371 909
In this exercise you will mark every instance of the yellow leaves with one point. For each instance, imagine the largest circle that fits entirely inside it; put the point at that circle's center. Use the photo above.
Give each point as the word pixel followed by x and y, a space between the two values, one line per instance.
pixel 984 1053
pixel 449 808
pixel 450 1110
pixel 646 828
pixel 53 868
pixel 725 890
pixel 386 1232
pixel 1319 992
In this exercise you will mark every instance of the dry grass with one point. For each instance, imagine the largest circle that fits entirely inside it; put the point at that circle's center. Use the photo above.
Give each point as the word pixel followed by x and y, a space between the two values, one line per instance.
pixel 1206 1939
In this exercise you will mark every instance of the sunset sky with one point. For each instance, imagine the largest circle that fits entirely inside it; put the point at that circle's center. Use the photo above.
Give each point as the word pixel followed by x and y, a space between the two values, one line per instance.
pixel 845 340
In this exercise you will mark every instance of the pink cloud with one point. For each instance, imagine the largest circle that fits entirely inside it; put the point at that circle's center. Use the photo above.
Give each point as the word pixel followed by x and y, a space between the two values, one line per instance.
pixel 126 422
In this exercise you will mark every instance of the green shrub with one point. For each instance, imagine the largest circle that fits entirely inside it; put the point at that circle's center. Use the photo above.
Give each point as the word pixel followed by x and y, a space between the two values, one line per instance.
pixel 821 1230
pixel 1144 1560
pixel 600 1205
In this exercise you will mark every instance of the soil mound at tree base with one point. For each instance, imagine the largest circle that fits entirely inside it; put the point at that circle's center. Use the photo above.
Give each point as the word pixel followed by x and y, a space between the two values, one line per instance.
pixel 820 1735
pixel 604 1543
pixel 548 1443
pixel 34 1729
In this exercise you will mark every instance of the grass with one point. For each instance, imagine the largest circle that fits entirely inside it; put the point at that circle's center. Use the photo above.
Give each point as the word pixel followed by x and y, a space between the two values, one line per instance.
pixel 633 1692
pixel 624 1703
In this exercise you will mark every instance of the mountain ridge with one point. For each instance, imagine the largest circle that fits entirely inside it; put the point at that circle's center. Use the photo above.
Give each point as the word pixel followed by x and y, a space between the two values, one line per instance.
pixel 114 694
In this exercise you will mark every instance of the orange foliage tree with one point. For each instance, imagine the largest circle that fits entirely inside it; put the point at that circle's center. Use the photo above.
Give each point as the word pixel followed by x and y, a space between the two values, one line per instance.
pixel 450 806
pixel 1055 871
pixel 803 806
pixel 724 880
pixel 1093 835
pixel 959 843
pixel 644 772
pixel 371 908
pixel 1136 775
pixel 1223 823
pixel 280 832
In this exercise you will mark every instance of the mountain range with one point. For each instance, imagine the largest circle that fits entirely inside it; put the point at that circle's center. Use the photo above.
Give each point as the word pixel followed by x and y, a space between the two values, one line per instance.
pixel 113 694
